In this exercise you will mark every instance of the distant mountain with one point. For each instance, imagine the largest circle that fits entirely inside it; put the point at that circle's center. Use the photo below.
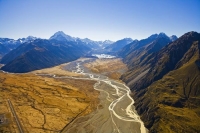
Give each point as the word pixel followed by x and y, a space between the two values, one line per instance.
pixel 7 45
pixel 96 44
pixel 105 43
pixel 173 38
pixel 165 81
pixel 116 46
pixel 61 36
pixel 42 53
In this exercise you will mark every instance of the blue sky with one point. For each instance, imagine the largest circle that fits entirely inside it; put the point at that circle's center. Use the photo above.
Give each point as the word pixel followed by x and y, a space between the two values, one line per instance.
pixel 98 19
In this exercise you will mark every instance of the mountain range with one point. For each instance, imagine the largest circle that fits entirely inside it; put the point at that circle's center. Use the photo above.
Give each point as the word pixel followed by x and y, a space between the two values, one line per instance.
pixel 42 54
pixel 20 55
pixel 61 36
pixel 31 53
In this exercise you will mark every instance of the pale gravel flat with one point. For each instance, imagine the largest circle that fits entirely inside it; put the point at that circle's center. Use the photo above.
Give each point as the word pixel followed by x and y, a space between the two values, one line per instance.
pixel 115 113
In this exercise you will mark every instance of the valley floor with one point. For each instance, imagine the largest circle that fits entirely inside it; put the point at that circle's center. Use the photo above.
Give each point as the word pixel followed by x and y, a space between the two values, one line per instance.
pixel 72 97
pixel 115 112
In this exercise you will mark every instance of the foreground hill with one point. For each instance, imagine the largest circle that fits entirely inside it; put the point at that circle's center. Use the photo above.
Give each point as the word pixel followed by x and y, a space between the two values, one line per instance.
pixel 42 53
pixel 166 85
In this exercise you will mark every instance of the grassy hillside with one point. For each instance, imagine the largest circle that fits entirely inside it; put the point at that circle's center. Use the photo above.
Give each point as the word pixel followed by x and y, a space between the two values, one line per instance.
pixel 45 104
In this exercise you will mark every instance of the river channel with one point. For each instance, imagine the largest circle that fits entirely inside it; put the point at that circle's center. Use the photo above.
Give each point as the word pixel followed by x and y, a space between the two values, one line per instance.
pixel 115 113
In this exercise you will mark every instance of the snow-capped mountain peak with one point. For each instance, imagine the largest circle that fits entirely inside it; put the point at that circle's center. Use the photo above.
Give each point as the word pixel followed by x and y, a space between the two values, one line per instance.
pixel 31 38
pixel 27 39
pixel 60 35
pixel 108 42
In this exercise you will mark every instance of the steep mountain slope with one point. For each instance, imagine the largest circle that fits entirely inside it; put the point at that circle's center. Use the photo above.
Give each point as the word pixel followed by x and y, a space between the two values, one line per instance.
pixel 41 54
pixel 158 64
pixel 138 56
pixel 17 52
pixel 3 50
pixel 126 51
pixel 119 44
pixel 172 104
pixel 165 85
pixel 7 45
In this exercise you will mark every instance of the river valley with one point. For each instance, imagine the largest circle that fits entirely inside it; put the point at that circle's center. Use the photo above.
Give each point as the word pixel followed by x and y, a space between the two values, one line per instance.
pixel 77 97
pixel 114 114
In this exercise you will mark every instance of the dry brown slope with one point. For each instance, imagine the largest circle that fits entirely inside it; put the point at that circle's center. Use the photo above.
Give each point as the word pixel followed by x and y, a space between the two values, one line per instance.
pixel 113 68
pixel 45 104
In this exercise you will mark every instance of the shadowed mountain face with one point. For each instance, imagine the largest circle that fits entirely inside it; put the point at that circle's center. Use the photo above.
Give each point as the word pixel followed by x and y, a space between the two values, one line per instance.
pixel 166 82
pixel 128 50
pixel 7 45
pixel 154 64
pixel 41 54
pixel 3 50
pixel 137 53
